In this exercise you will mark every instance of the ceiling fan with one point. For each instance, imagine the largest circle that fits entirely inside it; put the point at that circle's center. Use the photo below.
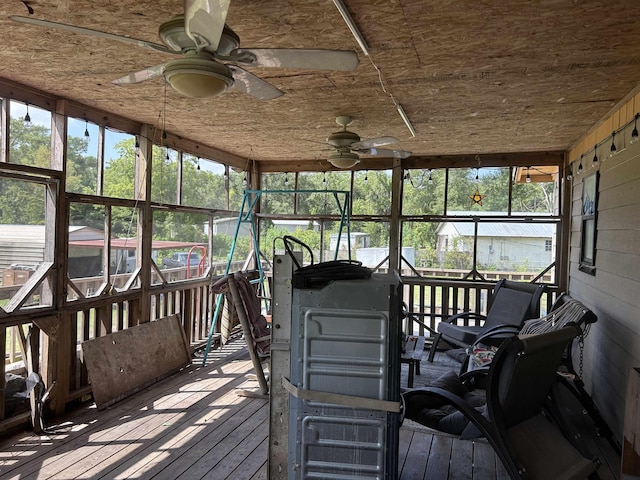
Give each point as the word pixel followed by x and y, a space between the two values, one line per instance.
pixel 348 146
pixel 211 54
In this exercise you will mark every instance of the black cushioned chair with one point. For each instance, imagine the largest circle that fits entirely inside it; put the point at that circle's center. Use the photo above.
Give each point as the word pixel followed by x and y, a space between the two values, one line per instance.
pixel 519 382
pixel 511 304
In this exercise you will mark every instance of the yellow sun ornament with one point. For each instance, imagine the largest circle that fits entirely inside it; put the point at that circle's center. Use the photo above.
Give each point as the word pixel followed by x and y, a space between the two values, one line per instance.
pixel 476 198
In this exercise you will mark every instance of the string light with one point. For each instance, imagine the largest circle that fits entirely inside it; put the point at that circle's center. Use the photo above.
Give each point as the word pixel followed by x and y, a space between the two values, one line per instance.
pixel 86 129
pixel 286 179
pixel 27 117
pixel 198 167
pixel 244 179
pixel 430 180
pixel 570 174
pixel 613 148
pixel 528 179
pixel 226 172
pixel 613 144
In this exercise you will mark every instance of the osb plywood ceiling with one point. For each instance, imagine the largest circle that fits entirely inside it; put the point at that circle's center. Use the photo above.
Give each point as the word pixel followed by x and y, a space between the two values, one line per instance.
pixel 473 77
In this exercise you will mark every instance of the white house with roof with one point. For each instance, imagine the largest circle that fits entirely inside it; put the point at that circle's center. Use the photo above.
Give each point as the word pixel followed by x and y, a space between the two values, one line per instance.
pixel 228 226
pixel 503 245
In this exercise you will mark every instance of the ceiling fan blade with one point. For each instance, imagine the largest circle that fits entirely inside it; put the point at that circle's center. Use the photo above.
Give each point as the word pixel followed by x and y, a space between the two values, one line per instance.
pixel 204 21
pixel 91 32
pixel 141 76
pixel 373 142
pixel 300 58
pixel 385 152
pixel 255 86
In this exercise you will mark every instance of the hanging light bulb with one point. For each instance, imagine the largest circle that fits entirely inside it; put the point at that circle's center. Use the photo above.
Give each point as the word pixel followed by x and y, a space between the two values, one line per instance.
pixel 580 166
pixel 226 172
pixel 613 145
pixel 164 134
pixel 167 155
pixel 286 179
pixel 244 179
pixel 137 143
pixel 198 167
pixel 476 174
pixel 86 129
pixel 27 117
pixel 366 177
pixel 430 180
pixel 595 154
pixel 407 175
pixel 570 174
pixel 324 178
pixel 634 133
pixel 528 179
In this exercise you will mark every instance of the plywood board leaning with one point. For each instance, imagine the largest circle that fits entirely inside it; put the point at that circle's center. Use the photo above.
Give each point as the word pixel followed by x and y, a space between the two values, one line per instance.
pixel 121 363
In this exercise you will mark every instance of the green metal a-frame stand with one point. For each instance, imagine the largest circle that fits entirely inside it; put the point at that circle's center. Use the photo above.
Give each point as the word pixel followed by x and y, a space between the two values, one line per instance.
pixel 247 216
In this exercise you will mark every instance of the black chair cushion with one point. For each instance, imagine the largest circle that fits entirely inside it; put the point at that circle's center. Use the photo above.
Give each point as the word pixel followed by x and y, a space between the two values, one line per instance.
pixel 434 413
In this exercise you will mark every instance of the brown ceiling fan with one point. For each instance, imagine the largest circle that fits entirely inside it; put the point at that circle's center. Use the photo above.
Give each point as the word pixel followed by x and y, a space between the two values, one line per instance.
pixel 211 58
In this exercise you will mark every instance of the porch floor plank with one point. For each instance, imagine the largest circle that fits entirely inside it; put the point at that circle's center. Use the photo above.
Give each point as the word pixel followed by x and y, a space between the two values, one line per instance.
pixel 195 425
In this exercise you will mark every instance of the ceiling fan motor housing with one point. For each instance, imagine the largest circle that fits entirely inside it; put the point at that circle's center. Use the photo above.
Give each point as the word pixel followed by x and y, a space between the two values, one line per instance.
pixel 343 138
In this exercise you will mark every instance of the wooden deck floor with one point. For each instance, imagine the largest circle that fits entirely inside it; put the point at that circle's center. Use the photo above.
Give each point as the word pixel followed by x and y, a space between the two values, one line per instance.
pixel 194 425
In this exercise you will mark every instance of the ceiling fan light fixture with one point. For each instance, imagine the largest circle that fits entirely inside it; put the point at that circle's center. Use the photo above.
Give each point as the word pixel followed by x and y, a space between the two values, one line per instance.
pixel 343 159
pixel 198 78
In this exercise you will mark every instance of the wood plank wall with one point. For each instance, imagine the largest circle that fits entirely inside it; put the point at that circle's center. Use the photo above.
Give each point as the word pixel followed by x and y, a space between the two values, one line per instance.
pixel 613 345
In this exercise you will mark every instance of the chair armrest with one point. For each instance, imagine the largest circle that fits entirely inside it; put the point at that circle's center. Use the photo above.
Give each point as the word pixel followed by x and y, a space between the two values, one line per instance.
pixel 496 332
pixel 467 315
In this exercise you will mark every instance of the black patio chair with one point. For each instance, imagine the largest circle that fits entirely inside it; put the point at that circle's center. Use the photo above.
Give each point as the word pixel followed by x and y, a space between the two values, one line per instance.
pixel 519 381
pixel 511 304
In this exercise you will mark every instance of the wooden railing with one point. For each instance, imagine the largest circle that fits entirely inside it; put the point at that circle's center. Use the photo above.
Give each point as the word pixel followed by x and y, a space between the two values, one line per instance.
pixel 56 338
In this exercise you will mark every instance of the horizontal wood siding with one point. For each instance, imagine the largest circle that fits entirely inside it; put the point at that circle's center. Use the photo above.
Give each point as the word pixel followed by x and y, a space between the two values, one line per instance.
pixel 613 345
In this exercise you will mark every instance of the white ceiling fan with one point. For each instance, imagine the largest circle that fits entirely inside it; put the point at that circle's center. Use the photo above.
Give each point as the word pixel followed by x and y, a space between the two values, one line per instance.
pixel 348 146
pixel 211 56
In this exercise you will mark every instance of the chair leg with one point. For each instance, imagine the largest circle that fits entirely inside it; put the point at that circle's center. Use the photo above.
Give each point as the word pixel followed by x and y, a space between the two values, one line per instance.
pixel 434 346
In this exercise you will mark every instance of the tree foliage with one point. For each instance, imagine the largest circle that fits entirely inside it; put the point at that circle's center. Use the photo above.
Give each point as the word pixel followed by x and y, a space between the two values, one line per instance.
pixel 425 193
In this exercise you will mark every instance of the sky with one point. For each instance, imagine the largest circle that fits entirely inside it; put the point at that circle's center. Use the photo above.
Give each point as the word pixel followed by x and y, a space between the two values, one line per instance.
pixel 77 127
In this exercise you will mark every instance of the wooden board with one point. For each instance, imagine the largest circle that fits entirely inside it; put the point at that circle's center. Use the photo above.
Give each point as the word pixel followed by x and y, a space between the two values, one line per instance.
pixel 123 362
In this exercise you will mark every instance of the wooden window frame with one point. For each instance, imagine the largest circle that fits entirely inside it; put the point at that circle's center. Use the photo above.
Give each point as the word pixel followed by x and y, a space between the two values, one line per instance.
pixel 589 223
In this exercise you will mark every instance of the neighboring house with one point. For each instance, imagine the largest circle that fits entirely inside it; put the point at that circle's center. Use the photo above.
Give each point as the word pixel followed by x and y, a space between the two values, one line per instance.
pixel 505 246
pixel 24 244
pixel 227 226
pixel 358 240
pixel 373 256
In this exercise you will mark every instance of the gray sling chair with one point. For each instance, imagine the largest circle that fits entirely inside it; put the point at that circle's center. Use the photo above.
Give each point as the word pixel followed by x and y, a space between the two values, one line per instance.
pixel 519 381
pixel 511 304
